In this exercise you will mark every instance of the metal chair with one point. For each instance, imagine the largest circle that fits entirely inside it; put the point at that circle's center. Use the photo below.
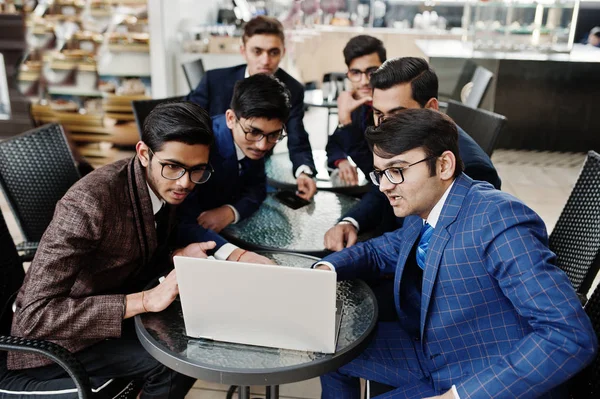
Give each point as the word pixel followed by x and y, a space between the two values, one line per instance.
pixel 141 109
pixel 36 170
pixel 194 72
pixel 576 236
pixel 483 126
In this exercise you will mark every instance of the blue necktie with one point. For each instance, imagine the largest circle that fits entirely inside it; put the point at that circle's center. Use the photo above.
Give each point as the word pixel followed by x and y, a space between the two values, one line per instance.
pixel 426 233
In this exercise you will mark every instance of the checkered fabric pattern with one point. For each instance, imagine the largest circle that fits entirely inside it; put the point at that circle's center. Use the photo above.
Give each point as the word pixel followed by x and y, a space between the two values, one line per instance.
pixel 498 318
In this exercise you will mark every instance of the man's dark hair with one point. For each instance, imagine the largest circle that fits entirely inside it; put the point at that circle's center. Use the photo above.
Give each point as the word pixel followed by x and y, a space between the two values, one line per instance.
pixel 261 96
pixel 262 25
pixel 416 71
pixel 363 45
pixel 181 121
pixel 415 128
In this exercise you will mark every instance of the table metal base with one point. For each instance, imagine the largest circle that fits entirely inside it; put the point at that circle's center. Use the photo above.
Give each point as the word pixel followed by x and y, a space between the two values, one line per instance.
pixel 272 392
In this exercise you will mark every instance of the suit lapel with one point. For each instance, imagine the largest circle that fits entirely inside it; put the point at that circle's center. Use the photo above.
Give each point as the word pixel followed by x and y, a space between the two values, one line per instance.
pixel 142 209
pixel 439 240
pixel 225 150
pixel 411 229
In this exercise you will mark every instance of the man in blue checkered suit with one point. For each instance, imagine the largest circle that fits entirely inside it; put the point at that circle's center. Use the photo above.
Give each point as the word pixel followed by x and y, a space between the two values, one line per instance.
pixel 482 310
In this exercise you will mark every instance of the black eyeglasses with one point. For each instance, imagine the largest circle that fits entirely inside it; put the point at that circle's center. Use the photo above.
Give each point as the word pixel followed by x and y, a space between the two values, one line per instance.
pixel 274 137
pixel 198 174
pixel 354 75
pixel 394 174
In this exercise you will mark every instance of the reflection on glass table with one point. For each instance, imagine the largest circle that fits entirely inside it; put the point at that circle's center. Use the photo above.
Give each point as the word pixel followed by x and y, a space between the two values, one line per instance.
pixel 276 226
pixel 279 173
pixel 163 336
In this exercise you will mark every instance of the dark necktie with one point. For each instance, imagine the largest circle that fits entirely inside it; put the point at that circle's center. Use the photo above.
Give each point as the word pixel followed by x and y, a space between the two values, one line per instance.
pixel 244 164
pixel 426 233
pixel 162 225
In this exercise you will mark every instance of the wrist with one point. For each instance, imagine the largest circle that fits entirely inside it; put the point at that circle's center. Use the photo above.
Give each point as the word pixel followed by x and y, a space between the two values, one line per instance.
pixel 348 222
pixel 338 162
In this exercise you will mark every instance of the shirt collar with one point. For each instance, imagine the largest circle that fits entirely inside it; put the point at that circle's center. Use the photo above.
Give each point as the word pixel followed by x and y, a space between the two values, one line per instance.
pixel 238 152
pixel 157 203
pixel 246 73
pixel 434 215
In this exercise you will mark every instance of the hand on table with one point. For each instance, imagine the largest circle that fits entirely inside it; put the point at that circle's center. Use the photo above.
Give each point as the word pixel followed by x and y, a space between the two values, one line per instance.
pixel 195 249
pixel 216 219
pixel 307 187
pixel 348 172
pixel 249 257
pixel 342 235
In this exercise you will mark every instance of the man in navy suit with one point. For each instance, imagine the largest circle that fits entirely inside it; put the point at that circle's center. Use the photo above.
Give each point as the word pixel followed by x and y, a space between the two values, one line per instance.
pixel 363 55
pixel 482 310
pixel 247 131
pixel 263 48
pixel 399 84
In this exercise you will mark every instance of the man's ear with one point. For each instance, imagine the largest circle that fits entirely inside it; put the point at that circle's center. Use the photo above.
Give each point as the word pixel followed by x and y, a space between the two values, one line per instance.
pixel 143 153
pixel 433 104
pixel 230 118
pixel 447 165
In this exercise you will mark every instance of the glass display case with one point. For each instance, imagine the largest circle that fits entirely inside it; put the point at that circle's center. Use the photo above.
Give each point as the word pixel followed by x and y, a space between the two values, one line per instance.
pixel 522 25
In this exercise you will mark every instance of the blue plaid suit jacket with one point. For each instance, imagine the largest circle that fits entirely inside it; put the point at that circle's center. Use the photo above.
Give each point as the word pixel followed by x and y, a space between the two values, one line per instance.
pixel 498 319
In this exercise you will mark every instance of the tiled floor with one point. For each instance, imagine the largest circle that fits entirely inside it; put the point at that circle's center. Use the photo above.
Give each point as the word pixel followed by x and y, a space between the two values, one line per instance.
pixel 542 180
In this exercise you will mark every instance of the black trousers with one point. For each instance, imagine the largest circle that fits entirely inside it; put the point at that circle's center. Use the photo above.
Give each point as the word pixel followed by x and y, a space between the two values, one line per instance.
pixel 112 358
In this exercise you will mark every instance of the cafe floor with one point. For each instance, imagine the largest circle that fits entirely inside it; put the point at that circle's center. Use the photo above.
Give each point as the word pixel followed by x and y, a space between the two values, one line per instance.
pixel 542 180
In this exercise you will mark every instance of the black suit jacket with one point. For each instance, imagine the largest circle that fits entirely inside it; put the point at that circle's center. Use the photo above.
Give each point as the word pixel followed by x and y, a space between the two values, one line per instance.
pixel 215 91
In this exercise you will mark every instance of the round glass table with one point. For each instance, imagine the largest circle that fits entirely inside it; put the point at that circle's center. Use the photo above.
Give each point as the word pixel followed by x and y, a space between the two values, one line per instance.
pixel 279 174
pixel 276 226
pixel 163 336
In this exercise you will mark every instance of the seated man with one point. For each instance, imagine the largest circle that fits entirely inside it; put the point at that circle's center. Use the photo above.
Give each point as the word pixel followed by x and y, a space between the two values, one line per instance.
pixel 243 136
pixel 110 236
pixel 363 54
pixel 482 310
pixel 263 48
pixel 399 84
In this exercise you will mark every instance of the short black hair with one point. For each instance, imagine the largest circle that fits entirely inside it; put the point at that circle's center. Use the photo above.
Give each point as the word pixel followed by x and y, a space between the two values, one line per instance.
pixel 415 128
pixel 416 71
pixel 362 45
pixel 263 25
pixel 261 96
pixel 181 121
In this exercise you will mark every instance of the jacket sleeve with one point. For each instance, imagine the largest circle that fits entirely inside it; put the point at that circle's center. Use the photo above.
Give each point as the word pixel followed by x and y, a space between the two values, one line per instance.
pixel 334 149
pixel 370 210
pixel 253 193
pixel 201 94
pixel 367 259
pixel 47 308
pixel 561 341
pixel 298 142
pixel 188 233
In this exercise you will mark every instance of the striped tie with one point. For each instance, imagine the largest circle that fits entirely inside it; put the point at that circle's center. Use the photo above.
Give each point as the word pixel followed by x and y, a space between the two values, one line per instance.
pixel 426 233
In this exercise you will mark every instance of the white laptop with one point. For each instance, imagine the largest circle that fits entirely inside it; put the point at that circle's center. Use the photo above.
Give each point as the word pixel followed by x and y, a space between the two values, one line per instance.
pixel 265 305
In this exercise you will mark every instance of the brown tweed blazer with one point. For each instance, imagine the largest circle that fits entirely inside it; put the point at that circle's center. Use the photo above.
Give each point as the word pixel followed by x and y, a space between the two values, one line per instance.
pixel 92 254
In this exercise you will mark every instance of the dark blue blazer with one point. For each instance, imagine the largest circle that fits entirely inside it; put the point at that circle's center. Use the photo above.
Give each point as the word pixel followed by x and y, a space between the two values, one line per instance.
pixel 350 140
pixel 215 91
pixel 374 210
pixel 245 190
pixel 497 317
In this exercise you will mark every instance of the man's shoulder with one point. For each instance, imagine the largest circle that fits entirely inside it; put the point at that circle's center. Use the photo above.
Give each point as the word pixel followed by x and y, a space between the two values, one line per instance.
pixel 101 182
pixel 292 84
pixel 220 73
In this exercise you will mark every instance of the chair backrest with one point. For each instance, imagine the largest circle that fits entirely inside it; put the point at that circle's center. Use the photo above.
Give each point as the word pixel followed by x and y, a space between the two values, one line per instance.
pixel 576 236
pixel 194 72
pixel 142 108
pixel 36 170
pixel 480 82
pixel 333 85
pixel 11 276
pixel 483 126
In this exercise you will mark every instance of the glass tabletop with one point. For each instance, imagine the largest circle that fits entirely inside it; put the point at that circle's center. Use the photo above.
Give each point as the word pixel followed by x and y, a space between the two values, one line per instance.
pixel 279 172
pixel 275 226
pixel 163 335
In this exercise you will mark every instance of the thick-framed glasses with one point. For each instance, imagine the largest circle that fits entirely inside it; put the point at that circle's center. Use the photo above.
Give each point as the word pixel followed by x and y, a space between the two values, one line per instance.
pixel 394 174
pixel 198 174
pixel 273 137
pixel 354 75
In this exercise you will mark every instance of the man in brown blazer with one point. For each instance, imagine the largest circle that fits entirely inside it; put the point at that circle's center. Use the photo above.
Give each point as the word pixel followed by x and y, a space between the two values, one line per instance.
pixel 110 236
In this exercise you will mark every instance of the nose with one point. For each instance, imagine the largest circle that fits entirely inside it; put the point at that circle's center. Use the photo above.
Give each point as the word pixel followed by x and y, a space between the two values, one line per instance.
pixel 385 184
pixel 263 145
pixel 265 58
pixel 364 79
pixel 185 181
